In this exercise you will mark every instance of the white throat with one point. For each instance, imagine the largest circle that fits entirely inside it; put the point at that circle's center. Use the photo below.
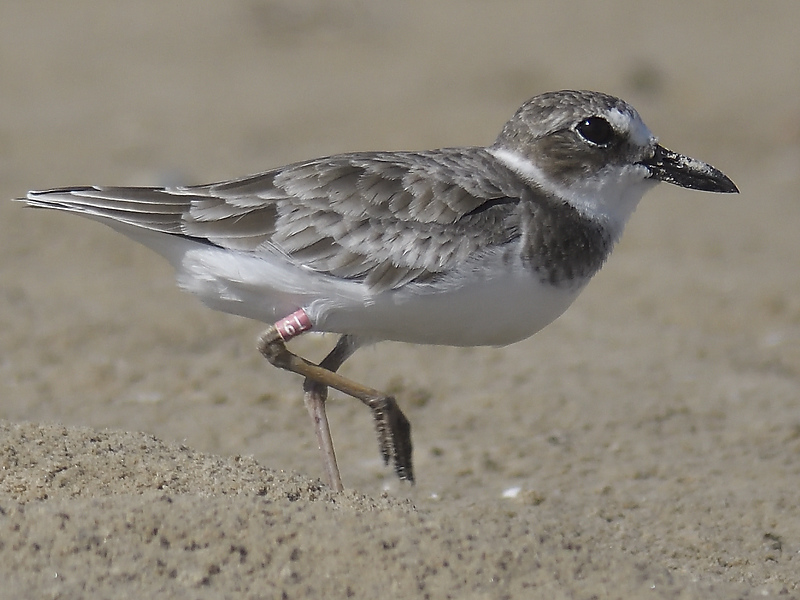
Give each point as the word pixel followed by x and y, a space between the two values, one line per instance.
pixel 611 196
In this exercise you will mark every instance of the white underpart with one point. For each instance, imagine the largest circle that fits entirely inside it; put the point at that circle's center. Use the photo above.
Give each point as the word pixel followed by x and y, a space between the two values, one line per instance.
pixel 611 196
pixel 487 303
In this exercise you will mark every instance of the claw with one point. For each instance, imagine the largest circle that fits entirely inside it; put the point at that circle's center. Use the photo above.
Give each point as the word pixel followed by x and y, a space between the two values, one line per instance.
pixel 394 436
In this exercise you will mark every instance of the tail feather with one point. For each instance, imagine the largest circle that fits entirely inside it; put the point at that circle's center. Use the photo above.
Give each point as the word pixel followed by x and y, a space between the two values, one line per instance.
pixel 149 208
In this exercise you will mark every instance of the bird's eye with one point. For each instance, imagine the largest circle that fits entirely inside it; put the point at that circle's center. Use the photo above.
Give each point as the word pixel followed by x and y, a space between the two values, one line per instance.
pixel 596 130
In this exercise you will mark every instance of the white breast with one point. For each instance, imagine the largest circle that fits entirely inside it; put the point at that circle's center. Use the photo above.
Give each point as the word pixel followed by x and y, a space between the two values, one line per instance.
pixel 494 307
pixel 488 303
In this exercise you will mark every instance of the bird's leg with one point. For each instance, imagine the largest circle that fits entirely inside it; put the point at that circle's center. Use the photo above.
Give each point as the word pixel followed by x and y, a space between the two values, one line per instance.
pixel 315 397
pixel 394 430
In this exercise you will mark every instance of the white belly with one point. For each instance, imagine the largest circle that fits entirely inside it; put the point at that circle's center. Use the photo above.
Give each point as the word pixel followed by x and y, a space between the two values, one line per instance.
pixel 491 304
pixel 496 312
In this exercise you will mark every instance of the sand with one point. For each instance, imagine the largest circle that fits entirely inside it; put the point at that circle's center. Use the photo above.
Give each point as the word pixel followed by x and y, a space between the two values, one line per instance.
pixel 647 444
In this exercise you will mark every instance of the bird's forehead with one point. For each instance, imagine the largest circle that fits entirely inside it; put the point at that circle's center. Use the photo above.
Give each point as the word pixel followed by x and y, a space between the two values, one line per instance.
pixel 629 121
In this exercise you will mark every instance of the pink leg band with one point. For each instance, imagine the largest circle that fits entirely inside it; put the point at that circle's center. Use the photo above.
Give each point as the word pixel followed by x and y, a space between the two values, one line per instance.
pixel 293 325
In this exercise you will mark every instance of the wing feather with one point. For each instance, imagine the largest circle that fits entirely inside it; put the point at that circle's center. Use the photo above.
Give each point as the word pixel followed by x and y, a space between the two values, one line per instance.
pixel 383 218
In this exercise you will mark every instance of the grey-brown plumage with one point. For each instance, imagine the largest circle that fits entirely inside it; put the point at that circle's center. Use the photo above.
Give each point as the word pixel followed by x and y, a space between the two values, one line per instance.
pixel 385 219
pixel 461 246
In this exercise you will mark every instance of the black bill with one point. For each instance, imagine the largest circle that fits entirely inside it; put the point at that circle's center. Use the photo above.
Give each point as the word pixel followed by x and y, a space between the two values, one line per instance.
pixel 671 167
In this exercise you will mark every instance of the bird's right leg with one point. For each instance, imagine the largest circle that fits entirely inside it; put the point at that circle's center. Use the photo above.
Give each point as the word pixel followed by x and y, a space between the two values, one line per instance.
pixel 316 394
pixel 394 430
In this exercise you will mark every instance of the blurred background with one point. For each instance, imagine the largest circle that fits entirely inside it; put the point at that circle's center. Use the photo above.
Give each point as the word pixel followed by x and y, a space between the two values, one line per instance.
pixel 697 313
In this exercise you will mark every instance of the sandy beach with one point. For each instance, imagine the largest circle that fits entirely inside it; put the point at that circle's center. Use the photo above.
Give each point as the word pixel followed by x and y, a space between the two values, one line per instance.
pixel 645 445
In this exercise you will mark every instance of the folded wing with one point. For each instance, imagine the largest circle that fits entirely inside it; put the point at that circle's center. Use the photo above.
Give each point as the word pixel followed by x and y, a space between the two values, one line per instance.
pixel 382 218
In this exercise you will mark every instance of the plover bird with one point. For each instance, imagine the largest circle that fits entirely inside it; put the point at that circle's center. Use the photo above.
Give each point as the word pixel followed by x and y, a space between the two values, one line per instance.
pixel 476 246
